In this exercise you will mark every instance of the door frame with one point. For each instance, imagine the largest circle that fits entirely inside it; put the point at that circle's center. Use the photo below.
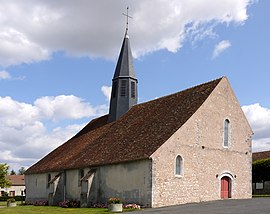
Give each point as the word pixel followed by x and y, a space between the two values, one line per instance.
pixel 229 175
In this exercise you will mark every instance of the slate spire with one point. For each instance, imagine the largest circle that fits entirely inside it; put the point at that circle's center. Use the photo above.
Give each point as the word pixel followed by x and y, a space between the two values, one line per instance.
pixel 124 83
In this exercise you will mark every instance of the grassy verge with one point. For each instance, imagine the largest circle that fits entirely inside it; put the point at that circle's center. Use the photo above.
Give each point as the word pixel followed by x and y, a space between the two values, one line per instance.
pixel 53 210
pixel 261 196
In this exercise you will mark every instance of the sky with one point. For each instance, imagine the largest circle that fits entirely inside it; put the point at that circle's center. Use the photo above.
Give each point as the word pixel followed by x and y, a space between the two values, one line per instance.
pixel 57 60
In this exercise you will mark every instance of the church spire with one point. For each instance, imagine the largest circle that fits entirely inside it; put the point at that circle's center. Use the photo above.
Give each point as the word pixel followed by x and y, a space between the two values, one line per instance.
pixel 124 83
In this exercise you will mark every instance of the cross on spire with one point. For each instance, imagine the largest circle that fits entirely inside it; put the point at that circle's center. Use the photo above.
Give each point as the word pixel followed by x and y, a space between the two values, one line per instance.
pixel 127 20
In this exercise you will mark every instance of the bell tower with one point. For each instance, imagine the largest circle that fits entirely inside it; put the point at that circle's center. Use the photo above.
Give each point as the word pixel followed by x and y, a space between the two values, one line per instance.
pixel 124 83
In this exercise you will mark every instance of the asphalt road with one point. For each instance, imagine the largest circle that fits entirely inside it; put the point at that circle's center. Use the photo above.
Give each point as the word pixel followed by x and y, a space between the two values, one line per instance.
pixel 245 206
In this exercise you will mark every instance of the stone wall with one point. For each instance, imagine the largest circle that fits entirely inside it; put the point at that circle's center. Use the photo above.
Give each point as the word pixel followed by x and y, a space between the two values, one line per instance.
pixel 36 187
pixel 205 160
pixel 129 181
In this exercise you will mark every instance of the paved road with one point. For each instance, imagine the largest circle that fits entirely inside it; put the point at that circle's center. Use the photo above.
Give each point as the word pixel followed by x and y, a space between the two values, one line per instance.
pixel 245 206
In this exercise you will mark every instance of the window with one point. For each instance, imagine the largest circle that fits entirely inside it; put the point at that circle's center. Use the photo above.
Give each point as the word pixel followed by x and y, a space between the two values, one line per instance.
pixel 226 133
pixel 179 165
pixel 123 88
pixel 133 90
pixel 11 193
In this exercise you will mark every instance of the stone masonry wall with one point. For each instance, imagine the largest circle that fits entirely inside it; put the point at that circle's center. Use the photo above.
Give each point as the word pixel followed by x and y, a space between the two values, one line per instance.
pixel 205 161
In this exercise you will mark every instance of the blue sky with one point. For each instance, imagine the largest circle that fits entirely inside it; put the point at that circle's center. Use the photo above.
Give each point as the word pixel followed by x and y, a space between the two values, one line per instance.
pixel 57 59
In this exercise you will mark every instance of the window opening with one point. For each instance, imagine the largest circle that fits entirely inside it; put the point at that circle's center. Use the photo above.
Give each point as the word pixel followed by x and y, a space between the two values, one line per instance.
pixel 123 88
pixel 226 133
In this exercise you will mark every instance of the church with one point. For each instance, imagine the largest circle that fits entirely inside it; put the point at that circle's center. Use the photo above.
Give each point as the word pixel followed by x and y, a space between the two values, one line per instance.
pixel 190 146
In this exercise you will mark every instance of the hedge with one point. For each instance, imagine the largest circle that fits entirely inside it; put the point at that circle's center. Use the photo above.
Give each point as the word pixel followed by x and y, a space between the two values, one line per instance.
pixel 261 170
pixel 17 198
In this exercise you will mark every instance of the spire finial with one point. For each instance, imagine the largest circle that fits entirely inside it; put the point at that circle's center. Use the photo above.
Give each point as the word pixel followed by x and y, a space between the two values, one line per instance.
pixel 127 20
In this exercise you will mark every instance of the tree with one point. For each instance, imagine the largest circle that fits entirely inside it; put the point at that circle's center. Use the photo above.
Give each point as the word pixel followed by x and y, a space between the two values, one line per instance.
pixel 12 172
pixel 22 170
pixel 261 170
pixel 4 182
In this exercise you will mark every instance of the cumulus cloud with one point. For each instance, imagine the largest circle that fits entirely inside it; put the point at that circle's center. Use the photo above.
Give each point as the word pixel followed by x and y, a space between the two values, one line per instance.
pixel 221 47
pixel 30 131
pixel 32 30
pixel 4 75
pixel 64 107
pixel 259 119
pixel 106 90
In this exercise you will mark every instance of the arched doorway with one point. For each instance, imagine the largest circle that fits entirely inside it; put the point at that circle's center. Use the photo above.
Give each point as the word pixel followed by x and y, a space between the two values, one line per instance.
pixel 225 187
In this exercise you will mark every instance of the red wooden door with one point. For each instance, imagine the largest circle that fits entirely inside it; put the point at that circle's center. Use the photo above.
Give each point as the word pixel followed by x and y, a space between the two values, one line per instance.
pixel 225 187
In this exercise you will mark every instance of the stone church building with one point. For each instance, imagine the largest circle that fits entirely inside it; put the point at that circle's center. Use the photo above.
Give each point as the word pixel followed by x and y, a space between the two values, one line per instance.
pixel 191 146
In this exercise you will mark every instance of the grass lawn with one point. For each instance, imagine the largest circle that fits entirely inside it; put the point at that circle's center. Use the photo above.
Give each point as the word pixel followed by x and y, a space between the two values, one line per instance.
pixel 261 196
pixel 51 210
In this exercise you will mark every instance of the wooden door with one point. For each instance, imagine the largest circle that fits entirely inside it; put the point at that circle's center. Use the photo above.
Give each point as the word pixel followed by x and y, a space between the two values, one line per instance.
pixel 225 188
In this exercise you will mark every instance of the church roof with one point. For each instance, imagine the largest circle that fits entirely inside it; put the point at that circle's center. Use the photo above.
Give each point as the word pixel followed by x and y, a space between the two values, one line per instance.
pixel 124 67
pixel 134 136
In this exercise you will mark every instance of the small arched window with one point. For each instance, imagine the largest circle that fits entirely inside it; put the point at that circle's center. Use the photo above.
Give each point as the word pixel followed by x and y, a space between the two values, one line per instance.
pixel 226 133
pixel 178 165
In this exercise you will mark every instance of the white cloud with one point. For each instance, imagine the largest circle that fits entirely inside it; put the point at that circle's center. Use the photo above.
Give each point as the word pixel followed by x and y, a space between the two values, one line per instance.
pixel 32 30
pixel 4 75
pixel 16 48
pixel 259 119
pixel 29 131
pixel 106 90
pixel 64 107
pixel 221 47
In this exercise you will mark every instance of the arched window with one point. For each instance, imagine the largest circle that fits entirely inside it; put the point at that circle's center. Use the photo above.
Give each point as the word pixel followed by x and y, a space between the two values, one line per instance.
pixel 226 133
pixel 178 165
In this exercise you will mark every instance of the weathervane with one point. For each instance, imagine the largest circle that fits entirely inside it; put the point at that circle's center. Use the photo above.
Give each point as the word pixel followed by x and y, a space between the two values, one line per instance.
pixel 127 20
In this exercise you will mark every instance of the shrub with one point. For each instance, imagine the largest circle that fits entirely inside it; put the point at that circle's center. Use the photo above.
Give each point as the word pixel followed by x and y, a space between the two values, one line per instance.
pixel 11 200
pixel 69 203
pixel 17 198
pixel 261 170
pixel 132 206
pixel 100 206
pixel 41 203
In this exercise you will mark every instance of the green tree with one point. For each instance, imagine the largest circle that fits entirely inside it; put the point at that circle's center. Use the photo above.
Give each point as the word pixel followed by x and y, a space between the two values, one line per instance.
pixel 261 170
pixel 13 172
pixel 22 170
pixel 4 182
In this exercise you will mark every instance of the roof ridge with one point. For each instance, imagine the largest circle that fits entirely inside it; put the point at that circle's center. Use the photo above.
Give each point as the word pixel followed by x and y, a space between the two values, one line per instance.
pixel 169 95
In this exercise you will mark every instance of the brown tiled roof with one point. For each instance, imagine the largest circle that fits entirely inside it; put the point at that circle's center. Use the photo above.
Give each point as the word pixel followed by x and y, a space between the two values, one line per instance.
pixel 260 155
pixel 134 136
pixel 16 180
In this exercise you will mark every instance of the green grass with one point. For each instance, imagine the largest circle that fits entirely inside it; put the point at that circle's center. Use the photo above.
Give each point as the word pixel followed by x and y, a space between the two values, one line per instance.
pixel 4 203
pixel 261 196
pixel 52 210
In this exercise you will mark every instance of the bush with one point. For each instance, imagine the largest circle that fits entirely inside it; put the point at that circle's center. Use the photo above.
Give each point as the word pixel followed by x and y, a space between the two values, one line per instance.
pixel 70 204
pixel 132 206
pixel 17 198
pixel 11 200
pixel 261 170
pixel 41 203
